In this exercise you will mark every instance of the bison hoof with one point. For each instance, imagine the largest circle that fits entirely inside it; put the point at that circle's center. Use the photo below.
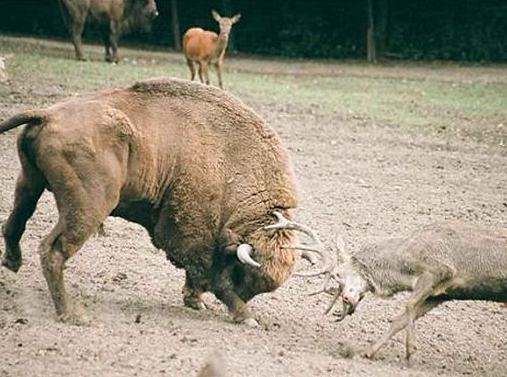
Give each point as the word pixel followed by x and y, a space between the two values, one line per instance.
pixel 12 264
pixel 251 322
pixel 194 303
pixel 75 319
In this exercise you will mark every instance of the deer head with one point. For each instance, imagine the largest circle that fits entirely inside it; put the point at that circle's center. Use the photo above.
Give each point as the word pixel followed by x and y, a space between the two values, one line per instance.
pixel 225 23
pixel 352 286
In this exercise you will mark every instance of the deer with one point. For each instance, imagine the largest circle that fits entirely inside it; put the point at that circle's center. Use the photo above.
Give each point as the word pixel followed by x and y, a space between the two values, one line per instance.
pixel 206 47
pixel 439 262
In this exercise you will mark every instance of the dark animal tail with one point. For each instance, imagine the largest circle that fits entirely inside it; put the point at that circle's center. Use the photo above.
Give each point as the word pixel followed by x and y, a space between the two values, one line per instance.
pixel 34 117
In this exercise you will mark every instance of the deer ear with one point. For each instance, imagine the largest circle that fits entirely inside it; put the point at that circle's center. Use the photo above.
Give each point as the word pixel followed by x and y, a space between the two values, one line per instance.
pixel 215 15
pixel 236 18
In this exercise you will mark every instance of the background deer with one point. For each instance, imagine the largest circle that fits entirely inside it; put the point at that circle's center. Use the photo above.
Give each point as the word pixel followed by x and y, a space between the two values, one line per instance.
pixel 437 263
pixel 206 47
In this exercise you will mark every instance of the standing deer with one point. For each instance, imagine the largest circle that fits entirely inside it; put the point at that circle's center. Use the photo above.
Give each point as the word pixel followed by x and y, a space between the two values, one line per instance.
pixel 206 47
pixel 437 263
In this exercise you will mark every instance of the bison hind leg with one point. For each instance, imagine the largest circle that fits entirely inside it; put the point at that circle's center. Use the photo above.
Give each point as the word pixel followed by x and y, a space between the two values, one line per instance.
pixel 29 187
pixel 83 205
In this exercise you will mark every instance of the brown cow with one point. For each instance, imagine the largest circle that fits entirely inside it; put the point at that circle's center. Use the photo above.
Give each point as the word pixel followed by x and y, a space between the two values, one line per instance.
pixel 193 165
pixel 114 17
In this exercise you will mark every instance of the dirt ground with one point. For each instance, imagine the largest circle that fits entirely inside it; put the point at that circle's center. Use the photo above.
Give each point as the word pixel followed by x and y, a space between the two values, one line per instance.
pixel 363 180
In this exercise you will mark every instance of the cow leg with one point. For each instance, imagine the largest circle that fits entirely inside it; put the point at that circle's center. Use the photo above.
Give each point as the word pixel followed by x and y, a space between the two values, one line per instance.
pixel 29 188
pixel 192 293
pixel 191 66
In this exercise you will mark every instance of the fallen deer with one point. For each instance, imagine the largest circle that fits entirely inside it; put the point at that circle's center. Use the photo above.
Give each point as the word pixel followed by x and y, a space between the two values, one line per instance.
pixel 206 47
pixel 437 263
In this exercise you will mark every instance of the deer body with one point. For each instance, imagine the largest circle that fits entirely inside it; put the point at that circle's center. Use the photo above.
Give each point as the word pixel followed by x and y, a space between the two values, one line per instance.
pixel 206 47
pixel 437 263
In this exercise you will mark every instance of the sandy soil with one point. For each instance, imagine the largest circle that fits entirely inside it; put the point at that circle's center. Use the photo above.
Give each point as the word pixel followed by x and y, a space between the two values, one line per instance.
pixel 357 178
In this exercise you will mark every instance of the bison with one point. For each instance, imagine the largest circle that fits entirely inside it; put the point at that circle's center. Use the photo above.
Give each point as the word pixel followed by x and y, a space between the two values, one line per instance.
pixel 113 17
pixel 199 170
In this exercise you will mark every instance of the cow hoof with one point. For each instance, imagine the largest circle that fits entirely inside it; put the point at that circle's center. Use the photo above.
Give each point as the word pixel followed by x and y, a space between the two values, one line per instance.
pixel 12 264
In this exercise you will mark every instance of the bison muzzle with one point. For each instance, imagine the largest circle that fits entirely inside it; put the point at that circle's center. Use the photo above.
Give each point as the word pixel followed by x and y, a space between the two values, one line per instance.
pixel 200 171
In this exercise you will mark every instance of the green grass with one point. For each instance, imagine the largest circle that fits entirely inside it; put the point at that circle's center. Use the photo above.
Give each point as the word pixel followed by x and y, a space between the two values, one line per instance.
pixel 408 96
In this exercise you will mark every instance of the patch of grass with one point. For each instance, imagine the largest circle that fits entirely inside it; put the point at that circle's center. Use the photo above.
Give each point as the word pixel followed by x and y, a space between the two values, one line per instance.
pixel 410 97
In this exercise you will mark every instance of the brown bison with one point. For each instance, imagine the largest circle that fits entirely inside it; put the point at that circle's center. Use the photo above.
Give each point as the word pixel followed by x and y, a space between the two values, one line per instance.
pixel 113 17
pixel 193 165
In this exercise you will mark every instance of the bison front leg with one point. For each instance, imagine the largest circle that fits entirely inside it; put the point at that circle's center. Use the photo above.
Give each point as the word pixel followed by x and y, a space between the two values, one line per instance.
pixel 114 36
pixel 192 293
pixel 237 307
pixel 224 291
pixel 76 30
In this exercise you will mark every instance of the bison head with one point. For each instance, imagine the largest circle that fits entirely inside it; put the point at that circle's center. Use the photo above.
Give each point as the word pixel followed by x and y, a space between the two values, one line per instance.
pixel 141 14
pixel 259 261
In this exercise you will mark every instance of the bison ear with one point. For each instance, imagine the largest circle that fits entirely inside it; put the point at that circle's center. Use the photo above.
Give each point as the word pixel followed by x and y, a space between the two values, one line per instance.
pixel 236 18
pixel 215 15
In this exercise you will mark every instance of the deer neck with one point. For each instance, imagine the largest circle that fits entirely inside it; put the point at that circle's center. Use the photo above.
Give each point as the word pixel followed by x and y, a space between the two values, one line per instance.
pixel 222 42
pixel 383 280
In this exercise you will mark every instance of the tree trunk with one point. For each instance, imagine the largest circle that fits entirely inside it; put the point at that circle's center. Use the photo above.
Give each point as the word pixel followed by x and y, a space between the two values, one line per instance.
pixel 381 27
pixel 371 50
pixel 176 25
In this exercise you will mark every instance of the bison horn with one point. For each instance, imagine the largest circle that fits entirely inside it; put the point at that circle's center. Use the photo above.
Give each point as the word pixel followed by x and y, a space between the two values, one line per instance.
pixel 243 252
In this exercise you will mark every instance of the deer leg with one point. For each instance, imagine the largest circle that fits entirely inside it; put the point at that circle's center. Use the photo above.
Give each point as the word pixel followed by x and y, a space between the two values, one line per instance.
pixel 424 288
pixel 191 66
pixel 201 72
pixel 398 324
pixel 29 188
pixel 204 67
pixel 219 74
pixel 415 307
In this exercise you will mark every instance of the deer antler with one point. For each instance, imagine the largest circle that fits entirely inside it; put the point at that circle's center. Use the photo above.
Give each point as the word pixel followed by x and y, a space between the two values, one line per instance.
pixel 328 266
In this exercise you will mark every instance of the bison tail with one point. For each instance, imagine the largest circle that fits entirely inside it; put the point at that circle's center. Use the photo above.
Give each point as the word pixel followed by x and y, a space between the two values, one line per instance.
pixel 33 117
